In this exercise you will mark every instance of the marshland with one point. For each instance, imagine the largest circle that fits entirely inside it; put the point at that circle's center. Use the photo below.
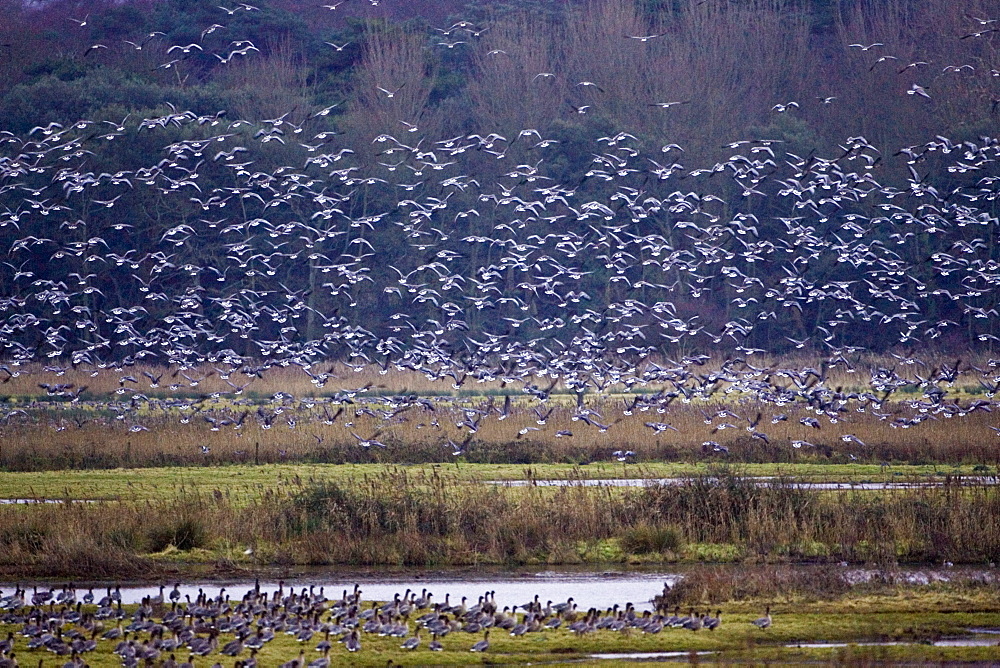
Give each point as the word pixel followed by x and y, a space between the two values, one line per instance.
pixel 590 331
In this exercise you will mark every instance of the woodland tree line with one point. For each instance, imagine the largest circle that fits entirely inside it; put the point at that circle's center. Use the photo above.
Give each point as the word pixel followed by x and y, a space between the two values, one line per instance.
pixel 127 89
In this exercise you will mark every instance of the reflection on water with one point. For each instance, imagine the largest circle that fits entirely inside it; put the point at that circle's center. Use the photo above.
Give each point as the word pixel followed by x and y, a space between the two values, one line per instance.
pixel 11 502
pixel 964 641
pixel 588 589
pixel 647 656
pixel 763 481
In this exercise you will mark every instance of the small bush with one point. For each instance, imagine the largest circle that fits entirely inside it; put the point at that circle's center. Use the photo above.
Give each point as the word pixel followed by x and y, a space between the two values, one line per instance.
pixel 714 552
pixel 186 534
pixel 79 555
pixel 647 538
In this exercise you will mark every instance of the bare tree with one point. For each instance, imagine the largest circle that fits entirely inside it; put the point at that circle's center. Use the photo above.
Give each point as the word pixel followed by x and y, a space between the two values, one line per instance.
pixel 393 87
pixel 518 81
pixel 911 70
pixel 735 62
pixel 266 86
pixel 609 67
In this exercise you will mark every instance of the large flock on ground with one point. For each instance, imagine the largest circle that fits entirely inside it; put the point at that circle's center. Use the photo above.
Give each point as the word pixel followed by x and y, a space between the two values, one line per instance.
pixel 172 631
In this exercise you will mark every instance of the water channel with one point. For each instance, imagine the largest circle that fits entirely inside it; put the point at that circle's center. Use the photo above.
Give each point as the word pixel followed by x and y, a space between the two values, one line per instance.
pixel 589 588
pixel 763 481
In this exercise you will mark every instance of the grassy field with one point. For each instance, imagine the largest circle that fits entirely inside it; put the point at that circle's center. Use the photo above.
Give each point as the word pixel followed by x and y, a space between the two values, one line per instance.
pixel 251 483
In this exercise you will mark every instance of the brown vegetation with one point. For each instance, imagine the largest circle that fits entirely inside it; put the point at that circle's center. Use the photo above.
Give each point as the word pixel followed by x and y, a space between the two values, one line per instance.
pixel 68 436
pixel 400 519
pixel 287 415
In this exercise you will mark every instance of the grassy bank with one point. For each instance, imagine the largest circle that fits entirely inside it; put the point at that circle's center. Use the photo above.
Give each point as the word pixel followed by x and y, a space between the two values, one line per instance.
pixel 430 518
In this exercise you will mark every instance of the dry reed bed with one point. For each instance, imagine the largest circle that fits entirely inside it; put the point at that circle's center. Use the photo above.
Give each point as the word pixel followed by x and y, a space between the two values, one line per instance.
pixel 396 519
pixel 820 587
pixel 64 435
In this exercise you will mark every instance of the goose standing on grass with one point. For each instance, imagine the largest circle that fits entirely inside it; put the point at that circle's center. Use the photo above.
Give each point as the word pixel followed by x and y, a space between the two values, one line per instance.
pixel 435 645
pixel 233 647
pixel 765 621
pixel 522 628
pixel 712 623
pixel 412 642
pixel 674 618
pixel 561 608
pixel 353 643
pixel 424 601
pixel 483 644
pixel 321 662
pixel 696 622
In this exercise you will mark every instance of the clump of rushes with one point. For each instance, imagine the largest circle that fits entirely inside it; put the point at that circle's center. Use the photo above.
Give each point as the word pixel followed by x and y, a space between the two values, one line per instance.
pixel 650 538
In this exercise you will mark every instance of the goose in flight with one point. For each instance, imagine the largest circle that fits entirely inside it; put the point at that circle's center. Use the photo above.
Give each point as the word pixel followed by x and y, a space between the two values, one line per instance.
pixel 391 93
pixel 646 38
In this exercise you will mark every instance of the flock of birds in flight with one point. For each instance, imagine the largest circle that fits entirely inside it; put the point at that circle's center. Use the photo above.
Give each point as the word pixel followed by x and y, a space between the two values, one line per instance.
pixel 414 261
pixel 169 625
